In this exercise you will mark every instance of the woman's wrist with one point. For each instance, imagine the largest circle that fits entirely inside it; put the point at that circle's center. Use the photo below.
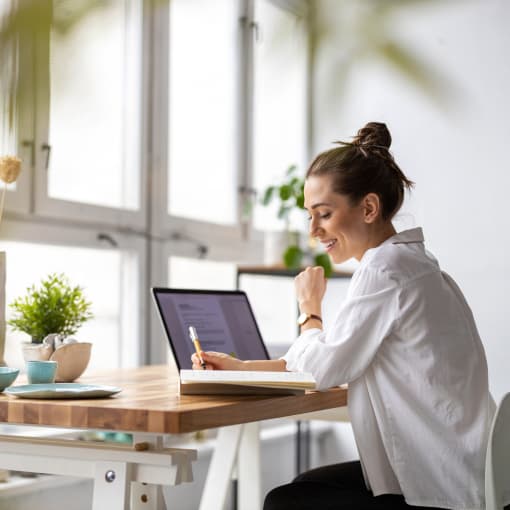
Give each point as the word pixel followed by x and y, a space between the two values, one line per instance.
pixel 310 307
pixel 311 323
pixel 273 365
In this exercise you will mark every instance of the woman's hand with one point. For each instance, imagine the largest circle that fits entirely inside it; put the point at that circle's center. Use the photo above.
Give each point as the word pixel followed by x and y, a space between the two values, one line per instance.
pixel 216 361
pixel 310 287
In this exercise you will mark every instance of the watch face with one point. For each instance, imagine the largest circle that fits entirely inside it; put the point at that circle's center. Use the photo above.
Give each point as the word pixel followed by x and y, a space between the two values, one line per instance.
pixel 303 318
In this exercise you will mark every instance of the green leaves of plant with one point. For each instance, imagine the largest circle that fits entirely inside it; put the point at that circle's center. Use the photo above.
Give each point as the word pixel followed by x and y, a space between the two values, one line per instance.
pixel 285 191
pixel 54 307
pixel 289 192
pixel 268 195
pixel 292 257
pixel 322 259
pixel 300 199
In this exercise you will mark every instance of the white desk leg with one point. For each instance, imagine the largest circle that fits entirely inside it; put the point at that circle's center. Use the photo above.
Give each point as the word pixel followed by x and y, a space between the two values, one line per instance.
pixel 112 484
pixel 145 496
pixel 248 469
pixel 219 474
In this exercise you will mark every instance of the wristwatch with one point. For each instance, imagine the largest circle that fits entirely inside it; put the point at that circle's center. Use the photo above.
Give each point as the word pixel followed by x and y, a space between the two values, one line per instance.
pixel 305 317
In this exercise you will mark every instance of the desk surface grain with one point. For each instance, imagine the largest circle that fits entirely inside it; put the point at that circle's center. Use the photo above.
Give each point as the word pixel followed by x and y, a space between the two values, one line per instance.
pixel 150 402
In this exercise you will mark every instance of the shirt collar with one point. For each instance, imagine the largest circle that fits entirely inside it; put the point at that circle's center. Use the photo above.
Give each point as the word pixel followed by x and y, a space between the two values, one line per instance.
pixel 414 235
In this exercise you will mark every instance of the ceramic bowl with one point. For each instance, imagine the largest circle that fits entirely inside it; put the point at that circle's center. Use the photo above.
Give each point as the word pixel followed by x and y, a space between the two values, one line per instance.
pixel 72 360
pixel 7 376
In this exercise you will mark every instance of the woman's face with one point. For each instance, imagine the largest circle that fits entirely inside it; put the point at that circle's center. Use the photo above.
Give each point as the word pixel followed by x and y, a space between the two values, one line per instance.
pixel 339 226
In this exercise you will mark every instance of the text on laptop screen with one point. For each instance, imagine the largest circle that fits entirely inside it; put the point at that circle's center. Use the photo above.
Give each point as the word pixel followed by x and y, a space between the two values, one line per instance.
pixel 224 322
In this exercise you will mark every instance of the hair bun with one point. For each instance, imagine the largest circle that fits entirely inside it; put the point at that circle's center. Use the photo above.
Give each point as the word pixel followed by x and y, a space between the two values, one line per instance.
pixel 374 133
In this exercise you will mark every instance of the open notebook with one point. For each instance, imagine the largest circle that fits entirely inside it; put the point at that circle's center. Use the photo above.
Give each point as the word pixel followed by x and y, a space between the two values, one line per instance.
pixel 244 382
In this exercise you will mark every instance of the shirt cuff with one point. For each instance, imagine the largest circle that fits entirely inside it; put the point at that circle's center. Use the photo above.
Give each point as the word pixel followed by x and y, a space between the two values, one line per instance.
pixel 293 356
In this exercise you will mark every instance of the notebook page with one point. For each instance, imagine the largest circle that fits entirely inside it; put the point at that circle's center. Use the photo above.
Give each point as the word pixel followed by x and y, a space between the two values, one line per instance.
pixel 246 376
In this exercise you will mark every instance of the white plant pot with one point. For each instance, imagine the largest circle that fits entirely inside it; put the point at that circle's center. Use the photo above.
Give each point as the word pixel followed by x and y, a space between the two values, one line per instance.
pixel 275 244
pixel 41 352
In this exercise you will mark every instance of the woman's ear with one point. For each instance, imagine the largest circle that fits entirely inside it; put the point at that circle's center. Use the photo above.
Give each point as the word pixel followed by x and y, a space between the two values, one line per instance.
pixel 371 207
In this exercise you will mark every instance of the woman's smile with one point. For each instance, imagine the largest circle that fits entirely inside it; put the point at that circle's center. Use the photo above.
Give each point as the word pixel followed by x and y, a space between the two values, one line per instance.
pixel 328 245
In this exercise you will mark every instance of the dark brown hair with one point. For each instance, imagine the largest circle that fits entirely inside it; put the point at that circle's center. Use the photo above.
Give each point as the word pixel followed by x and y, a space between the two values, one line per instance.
pixel 364 166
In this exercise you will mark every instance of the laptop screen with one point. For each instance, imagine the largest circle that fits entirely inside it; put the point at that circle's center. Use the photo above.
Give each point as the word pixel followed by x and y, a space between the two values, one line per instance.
pixel 223 319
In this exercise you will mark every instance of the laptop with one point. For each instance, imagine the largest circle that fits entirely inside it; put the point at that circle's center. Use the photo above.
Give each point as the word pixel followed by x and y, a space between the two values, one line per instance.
pixel 223 319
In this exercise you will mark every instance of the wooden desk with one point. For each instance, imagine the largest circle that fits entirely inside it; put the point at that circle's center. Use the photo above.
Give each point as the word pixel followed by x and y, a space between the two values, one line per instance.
pixel 150 406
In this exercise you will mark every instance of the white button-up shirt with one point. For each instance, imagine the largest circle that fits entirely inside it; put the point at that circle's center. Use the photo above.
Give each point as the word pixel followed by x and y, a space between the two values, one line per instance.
pixel 406 342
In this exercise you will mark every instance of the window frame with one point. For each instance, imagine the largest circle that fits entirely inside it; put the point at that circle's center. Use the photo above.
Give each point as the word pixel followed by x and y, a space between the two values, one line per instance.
pixel 44 205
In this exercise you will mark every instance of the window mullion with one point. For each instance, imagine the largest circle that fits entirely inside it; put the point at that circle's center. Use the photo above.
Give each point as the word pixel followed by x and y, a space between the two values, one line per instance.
pixel 245 112
pixel 41 55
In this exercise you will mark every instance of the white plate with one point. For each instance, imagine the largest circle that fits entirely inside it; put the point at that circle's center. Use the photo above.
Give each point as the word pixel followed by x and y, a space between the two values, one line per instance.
pixel 61 390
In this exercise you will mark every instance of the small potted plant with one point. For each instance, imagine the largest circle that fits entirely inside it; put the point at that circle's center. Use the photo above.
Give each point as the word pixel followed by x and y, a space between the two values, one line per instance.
pixel 290 195
pixel 50 314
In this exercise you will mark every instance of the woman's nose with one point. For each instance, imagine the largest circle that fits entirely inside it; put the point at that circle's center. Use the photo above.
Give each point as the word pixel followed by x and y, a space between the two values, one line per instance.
pixel 314 228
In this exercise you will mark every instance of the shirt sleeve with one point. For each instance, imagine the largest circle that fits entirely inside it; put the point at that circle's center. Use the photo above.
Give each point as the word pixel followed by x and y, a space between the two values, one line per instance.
pixel 341 354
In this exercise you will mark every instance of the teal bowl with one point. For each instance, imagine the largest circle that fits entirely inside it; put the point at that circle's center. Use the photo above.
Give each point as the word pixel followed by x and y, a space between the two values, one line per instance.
pixel 7 376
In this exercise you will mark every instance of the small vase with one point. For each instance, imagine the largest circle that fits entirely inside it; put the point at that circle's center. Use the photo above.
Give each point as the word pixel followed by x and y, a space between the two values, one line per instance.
pixel 275 245
pixel 2 307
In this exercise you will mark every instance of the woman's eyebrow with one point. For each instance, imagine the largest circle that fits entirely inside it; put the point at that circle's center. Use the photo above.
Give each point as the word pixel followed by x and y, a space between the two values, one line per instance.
pixel 320 204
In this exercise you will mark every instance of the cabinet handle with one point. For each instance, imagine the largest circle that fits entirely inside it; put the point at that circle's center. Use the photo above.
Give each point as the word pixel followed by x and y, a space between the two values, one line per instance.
pixel 46 147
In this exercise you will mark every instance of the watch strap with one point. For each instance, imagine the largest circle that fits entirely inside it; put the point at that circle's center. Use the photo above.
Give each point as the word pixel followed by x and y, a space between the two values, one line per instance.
pixel 308 317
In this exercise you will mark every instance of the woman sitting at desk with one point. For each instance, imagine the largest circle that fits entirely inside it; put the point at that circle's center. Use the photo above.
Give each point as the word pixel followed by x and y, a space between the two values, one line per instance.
pixel 404 339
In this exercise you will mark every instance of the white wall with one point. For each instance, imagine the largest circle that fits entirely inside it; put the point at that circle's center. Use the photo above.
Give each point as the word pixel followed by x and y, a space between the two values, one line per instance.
pixel 455 149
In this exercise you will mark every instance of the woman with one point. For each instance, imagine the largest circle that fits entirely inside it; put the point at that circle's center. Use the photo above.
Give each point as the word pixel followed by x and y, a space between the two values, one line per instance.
pixel 404 340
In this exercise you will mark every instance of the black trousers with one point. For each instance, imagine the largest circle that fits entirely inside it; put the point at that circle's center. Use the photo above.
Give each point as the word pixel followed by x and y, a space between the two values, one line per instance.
pixel 336 487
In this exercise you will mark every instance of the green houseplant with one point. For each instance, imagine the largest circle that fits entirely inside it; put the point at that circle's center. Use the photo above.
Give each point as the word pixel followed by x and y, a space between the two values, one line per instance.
pixel 54 307
pixel 290 197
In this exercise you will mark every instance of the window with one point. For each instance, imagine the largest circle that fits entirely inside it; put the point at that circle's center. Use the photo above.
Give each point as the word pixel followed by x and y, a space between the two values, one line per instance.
pixel 201 115
pixel 144 130
pixel 189 273
pixel 280 89
pixel 89 124
pixel 237 114
pixel 94 123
